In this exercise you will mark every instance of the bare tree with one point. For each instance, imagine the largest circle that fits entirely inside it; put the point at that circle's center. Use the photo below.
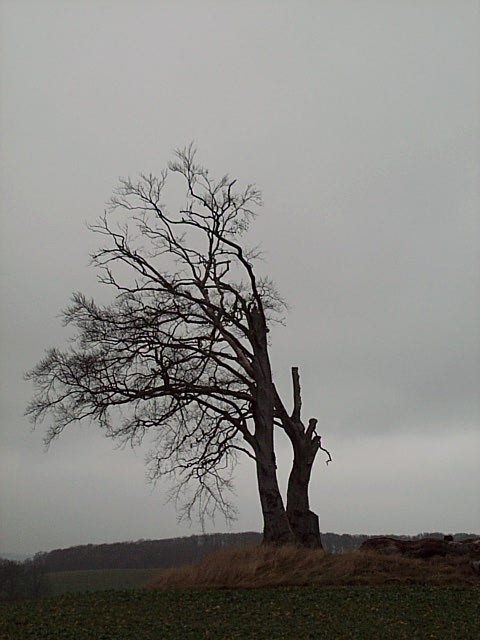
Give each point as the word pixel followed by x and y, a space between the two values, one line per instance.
pixel 182 352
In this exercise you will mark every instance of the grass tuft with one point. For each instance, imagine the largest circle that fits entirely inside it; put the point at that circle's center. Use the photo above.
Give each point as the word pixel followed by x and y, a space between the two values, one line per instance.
pixel 270 566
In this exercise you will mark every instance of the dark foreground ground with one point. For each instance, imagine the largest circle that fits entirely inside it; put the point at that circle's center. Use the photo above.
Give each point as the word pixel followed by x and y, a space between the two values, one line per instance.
pixel 362 612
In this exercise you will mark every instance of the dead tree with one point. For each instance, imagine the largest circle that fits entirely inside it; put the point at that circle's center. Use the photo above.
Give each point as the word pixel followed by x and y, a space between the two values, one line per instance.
pixel 181 354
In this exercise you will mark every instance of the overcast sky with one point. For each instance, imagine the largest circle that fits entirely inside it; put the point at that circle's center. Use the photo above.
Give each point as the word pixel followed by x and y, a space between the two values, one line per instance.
pixel 359 121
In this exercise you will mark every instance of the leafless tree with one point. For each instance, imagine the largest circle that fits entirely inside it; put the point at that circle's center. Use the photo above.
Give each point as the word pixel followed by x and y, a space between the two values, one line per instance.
pixel 182 352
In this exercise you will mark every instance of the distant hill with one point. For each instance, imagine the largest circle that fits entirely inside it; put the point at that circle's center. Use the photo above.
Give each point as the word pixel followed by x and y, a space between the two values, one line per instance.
pixel 141 554
pixel 172 552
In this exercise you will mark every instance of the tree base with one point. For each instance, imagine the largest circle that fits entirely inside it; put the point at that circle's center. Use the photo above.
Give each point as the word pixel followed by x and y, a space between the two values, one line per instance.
pixel 306 528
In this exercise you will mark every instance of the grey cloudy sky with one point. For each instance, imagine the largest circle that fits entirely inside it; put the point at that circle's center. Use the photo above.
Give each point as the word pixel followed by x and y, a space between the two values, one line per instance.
pixel 360 123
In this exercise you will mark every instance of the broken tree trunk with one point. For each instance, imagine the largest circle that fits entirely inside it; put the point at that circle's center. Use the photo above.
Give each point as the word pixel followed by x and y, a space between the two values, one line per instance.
pixel 306 444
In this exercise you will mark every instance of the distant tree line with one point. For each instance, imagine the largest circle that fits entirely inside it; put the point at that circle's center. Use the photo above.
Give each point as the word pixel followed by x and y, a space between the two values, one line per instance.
pixel 172 552
pixel 20 580
pixel 142 554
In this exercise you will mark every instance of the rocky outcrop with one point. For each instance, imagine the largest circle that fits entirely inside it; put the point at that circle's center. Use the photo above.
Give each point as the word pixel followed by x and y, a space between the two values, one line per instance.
pixel 424 548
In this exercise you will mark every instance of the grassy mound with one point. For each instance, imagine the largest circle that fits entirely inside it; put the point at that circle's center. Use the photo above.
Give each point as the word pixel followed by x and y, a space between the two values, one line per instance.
pixel 268 566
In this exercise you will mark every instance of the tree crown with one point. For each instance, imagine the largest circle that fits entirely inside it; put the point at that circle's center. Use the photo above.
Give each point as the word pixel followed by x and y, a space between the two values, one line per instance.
pixel 182 349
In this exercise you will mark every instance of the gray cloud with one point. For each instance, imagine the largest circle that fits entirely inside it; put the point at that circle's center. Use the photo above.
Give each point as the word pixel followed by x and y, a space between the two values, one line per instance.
pixel 360 124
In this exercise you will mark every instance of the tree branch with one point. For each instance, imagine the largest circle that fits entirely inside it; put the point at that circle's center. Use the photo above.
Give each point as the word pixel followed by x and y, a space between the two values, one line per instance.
pixel 297 398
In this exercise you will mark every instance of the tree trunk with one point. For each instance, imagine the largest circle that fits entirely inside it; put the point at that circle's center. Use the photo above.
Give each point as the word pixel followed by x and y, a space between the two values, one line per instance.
pixel 304 523
pixel 305 443
pixel 276 527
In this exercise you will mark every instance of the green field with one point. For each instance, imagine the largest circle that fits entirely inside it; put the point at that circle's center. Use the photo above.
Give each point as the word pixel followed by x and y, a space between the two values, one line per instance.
pixel 57 584
pixel 369 613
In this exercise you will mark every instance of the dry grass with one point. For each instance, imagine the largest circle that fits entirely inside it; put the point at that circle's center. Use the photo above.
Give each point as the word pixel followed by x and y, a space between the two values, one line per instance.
pixel 268 566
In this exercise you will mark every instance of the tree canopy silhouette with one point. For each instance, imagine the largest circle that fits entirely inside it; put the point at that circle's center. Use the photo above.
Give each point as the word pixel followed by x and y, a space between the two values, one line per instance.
pixel 181 354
